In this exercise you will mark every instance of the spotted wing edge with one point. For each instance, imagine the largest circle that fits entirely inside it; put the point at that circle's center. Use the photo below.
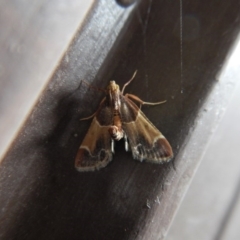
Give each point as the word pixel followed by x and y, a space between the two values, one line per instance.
pixel 145 140
pixel 95 151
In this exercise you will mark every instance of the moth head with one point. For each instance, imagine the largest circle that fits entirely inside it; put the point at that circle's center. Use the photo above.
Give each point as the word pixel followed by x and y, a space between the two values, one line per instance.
pixel 112 87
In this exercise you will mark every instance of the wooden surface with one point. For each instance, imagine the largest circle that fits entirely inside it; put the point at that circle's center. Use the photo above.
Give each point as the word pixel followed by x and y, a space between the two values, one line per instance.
pixel 34 36
pixel 44 197
pixel 211 207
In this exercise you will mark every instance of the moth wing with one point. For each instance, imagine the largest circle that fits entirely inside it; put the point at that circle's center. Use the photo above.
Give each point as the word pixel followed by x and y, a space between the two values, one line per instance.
pixel 146 141
pixel 95 150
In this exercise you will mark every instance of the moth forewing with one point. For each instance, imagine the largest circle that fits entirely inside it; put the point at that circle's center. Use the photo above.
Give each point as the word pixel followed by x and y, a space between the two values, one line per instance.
pixel 95 150
pixel 146 141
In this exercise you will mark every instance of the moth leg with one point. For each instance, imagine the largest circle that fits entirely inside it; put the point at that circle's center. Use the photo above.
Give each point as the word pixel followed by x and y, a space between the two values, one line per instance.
pixel 112 145
pixel 141 102
pixel 129 81
pixel 126 143
pixel 95 88
pixel 86 118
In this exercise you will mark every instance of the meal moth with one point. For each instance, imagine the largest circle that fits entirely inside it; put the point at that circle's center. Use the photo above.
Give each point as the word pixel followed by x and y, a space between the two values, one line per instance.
pixel 119 117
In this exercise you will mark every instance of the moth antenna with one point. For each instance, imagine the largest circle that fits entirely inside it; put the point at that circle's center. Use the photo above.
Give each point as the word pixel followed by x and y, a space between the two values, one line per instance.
pixel 129 81
pixel 141 102
pixel 95 88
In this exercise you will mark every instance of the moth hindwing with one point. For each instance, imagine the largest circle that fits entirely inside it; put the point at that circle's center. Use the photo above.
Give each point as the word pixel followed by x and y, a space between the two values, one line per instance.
pixel 119 117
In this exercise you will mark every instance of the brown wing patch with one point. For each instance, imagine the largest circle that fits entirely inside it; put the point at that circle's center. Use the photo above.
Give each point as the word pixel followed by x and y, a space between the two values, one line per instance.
pixel 128 110
pixel 146 141
pixel 104 114
pixel 95 150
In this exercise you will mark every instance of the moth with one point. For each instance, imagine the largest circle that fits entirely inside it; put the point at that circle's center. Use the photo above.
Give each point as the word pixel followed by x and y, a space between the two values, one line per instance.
pixel 118 117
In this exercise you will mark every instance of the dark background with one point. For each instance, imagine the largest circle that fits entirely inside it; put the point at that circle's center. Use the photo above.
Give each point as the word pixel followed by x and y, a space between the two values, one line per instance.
pixel 177 58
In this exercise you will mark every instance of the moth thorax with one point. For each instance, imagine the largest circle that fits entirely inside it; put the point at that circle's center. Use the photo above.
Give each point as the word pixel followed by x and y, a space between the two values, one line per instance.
pixel 115 133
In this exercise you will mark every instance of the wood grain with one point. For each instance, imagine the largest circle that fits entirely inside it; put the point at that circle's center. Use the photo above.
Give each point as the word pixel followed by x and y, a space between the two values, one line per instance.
pixel 42 196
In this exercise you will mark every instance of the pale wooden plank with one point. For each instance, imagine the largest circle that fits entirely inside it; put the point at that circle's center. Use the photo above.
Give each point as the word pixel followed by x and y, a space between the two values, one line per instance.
pixel 205 211
pixel 231 230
